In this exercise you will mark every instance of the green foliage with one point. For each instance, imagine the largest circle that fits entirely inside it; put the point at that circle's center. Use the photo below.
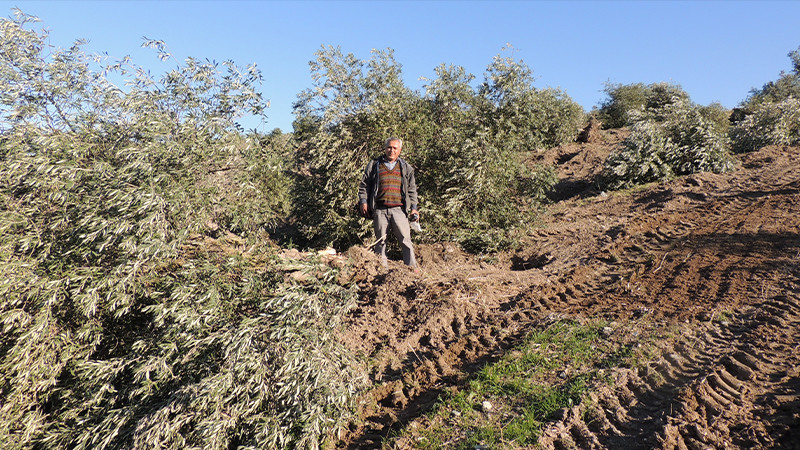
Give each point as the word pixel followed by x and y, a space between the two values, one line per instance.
pixel 768 123
pixel 471 165
pixel 341 124
pixel 622 98
pixel 771 114
pixel 676 138
pixel 218 354
pixel 699 144
pixel 661 95
pixel 115 331
pixel 263 184
pixel 640 160
pixel 785 87
pixel 465 144
pixel 717 115
pixel 522 117
pixel 626 100
pixel 521 388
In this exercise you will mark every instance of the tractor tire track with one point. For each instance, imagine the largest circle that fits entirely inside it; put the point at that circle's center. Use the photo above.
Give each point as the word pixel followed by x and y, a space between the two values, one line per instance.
pixel 729 385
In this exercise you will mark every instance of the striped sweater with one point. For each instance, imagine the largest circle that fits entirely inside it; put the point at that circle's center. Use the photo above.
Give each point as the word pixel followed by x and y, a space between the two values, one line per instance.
pixel 390 183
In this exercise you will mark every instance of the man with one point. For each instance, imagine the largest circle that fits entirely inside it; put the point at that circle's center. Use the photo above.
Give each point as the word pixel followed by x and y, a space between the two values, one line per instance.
pixel 388 195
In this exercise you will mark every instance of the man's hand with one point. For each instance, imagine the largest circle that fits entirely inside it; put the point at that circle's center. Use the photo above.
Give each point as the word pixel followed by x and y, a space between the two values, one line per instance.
pixel 364 210
pixel 414 215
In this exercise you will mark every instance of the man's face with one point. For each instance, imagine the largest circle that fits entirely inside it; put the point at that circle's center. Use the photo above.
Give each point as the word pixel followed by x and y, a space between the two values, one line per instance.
pixel 392 150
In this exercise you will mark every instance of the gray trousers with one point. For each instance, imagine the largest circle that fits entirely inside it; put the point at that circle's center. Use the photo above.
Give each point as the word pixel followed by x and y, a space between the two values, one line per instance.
pixel 381 219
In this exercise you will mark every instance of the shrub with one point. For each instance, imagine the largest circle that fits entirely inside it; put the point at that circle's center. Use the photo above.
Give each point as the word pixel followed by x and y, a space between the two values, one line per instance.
pixel 614 111
pixel 477 188
pixel 769 123
pixel 674 139
pixel 770 115
pixel 700 144
pixel 717 115
pixel 640 160
pixel 465 176
pixel 472 165
pixel 661 95
pixel 263 184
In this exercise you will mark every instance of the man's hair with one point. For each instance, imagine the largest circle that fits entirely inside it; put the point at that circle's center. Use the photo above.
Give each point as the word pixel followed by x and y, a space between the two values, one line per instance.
pixel 393 139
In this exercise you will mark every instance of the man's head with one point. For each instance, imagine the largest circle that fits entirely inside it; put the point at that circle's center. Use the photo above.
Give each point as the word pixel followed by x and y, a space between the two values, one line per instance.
pixel 393 148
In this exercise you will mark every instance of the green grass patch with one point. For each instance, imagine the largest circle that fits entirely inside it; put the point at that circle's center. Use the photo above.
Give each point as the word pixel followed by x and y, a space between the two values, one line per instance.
pixel 552 369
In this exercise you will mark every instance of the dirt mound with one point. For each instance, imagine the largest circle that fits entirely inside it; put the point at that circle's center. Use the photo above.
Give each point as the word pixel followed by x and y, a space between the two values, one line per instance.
pixel 713 256
pixel 363 267
pixel 592 134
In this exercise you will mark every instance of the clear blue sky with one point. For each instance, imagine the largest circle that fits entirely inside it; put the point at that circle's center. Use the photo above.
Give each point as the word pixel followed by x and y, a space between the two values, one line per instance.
pixel 716 50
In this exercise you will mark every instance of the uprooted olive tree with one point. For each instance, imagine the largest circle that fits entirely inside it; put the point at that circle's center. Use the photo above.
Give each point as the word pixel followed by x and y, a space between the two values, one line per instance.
pixel 124 322
pixel 672 136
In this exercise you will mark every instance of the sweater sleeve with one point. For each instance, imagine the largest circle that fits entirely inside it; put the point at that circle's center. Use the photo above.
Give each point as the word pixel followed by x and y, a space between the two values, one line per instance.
pixel 413 202
pixel 363 186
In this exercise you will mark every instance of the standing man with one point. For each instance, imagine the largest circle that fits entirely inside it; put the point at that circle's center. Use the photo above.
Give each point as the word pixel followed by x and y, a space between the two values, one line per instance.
pixel 388 195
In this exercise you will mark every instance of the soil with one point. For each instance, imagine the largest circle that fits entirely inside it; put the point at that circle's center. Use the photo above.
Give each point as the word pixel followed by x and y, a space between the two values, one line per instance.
pixel 715 258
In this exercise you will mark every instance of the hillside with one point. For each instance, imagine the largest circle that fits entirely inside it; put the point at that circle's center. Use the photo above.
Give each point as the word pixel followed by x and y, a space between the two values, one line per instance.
pixel 168 280
pixel 703 270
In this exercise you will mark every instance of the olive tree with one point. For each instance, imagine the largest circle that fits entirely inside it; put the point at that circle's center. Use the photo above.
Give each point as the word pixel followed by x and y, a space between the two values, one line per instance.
pixel 626 100
pixel 341 123
pixel 771 115
pixel 786 86
pixel 526 118
pixel 467 143
pixel 674 138
pixel 474 161
pixel 124 324
pixel 768 123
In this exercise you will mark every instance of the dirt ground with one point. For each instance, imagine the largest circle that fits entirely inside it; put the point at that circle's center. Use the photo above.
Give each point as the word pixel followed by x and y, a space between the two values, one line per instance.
pixel 715 257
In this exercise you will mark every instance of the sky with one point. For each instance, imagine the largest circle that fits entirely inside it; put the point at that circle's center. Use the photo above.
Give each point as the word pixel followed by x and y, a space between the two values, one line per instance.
pixel 717 51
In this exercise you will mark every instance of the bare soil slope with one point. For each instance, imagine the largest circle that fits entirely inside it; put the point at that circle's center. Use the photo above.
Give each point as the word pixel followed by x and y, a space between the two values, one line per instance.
pixel 681 254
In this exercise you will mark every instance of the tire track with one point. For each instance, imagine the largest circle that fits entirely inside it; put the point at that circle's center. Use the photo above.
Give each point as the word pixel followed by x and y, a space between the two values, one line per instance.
pixel 724 386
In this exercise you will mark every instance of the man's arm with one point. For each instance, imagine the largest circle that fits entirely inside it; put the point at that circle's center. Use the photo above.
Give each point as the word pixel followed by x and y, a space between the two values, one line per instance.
pixel 412 200
pixel 363 192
